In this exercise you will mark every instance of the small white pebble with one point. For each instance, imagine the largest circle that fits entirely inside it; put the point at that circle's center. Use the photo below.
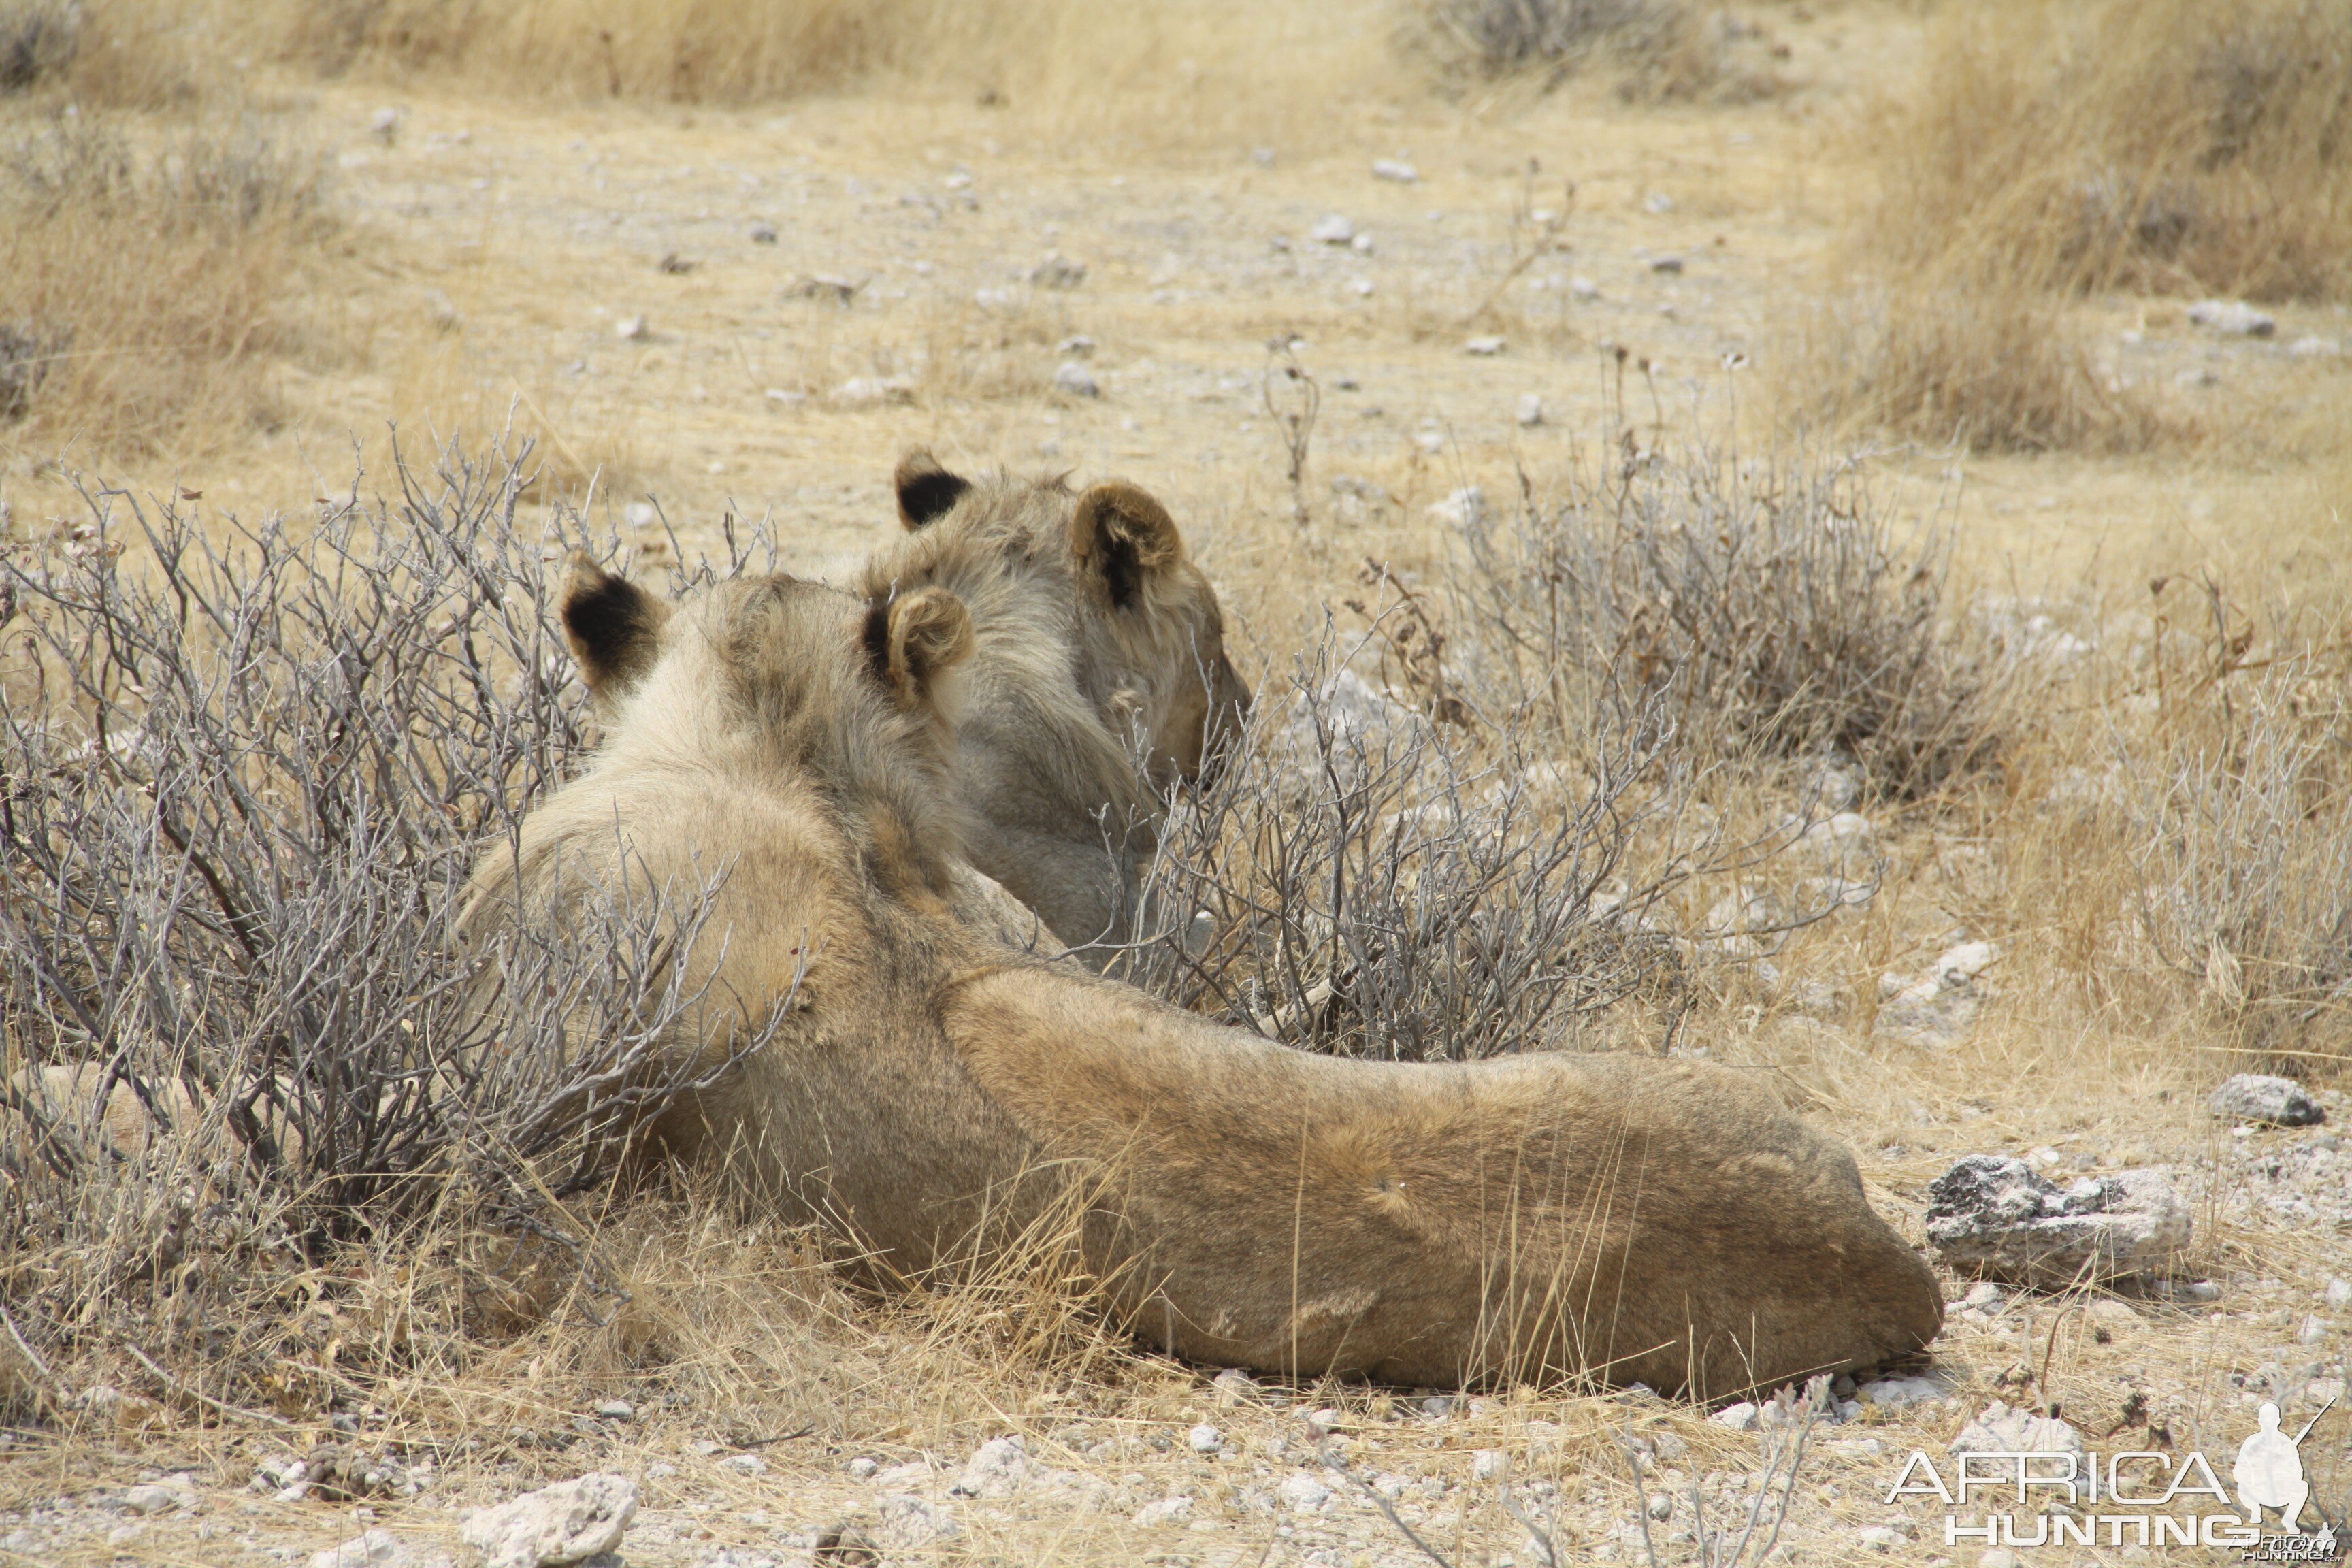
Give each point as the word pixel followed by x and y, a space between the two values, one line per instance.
pixel 1205 1438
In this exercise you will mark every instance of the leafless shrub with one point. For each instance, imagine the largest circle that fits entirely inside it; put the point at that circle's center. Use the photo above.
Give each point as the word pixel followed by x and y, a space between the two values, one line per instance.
pixel 1771 606
pixel 1659 48
pixel 2239 826
pixel 244 783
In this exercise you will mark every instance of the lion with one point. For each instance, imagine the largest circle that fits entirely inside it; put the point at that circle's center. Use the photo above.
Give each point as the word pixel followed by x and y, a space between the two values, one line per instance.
pixel 936 1095
pixel 1095 639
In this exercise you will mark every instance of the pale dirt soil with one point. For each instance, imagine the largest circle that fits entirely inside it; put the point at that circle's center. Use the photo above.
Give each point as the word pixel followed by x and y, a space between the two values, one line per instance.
pixel 500 242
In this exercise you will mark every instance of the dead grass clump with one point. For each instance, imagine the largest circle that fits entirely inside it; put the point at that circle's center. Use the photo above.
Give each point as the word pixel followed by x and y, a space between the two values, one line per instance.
pixel 2238 808
pixel 1982 366
pixel 2171 146
pixel 1659 49
pixel 37 40
pixel 1774 607
pixel 145 288
pixel 245 781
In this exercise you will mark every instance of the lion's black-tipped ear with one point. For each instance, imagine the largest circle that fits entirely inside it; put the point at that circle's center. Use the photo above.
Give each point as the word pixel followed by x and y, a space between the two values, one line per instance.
pixel 926 490
pixel 1121 536
pixel 613 626
pixel 914 641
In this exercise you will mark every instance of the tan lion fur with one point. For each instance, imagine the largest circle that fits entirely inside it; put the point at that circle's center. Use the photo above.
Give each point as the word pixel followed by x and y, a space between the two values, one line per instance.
pixel 933 1093
pixel 1091 623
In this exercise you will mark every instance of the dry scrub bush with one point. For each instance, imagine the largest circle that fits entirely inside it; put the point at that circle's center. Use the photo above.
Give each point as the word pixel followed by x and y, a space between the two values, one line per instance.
pixel 144 284
pixel 1508 847
pixel 2236 816
pixel 1357 880
pixel 244 782
pixel 1668 49
pixel 1774 607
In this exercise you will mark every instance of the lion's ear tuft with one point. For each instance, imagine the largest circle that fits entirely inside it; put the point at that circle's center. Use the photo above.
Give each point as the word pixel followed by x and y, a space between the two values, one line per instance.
pixel 927 491
pixel 613 626
pixel 1121 536
pixel 914 642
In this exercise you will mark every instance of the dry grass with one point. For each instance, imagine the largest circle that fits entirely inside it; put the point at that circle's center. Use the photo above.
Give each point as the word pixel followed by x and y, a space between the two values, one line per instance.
pixel 148 277
pixel 2048 151
pixel 1206 69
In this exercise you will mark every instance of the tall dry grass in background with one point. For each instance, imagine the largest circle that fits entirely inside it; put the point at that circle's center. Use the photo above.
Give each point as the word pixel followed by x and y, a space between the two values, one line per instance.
pixel 1196 70
pixel 146 277
pixel 2045 151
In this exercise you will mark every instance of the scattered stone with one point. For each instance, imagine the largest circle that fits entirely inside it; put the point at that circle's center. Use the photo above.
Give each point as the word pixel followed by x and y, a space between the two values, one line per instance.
pixel 1486 346
pixel 385 125
pixel 1531 409
pixel 1166 1511
pixel 862 1468
pixel 996 1468
pixel 617 1410
pixel 784 394
pixel 1938 1008
pixel 631 328
pixel 1881 1538
pixel 1334 230
pixel 1896 1392
pixel 2000 1430
pixel 1666 264
pixel 641 515
pixel 2271 1102
pixel 1984 1296
pixel 1362 245
pixel 1739 1418
pixel 832 290
pixel 1396 169
pixel 1233 1385
pixel 1847 838
pixel 744 1465
pixel 1303 1493
pixel 2312 346
pixel 1363 289
pixel 873 389
pixel 2233 317
pixel 376 1548
pixel 910 1524
pixel 1075 379
pixel 1205 1438
pixel 1991 1214
pixel 1584 288
pixel 763 234
pixel 1662 1507
pixel 676 266
pixel 1058 271
pixel 1077 346
pixel 1465 508
pixel 1996 1557
pixel 156 1498
pixel 567 1522
pixel 2338 1293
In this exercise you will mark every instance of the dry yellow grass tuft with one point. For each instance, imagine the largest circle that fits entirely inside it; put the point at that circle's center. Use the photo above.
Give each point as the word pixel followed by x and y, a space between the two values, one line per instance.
pixel 1201 70
pixel 144 277
pixel 2047 151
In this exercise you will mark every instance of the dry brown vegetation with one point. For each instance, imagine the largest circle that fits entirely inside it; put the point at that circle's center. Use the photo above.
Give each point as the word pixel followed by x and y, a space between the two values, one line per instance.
pixel 2051 150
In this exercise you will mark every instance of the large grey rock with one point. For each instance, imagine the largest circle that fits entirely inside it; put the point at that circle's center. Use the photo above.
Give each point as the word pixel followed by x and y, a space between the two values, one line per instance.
pixel 567 1522
pixel 1992 1215
pixel 2258 1096
pixel 997 1468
